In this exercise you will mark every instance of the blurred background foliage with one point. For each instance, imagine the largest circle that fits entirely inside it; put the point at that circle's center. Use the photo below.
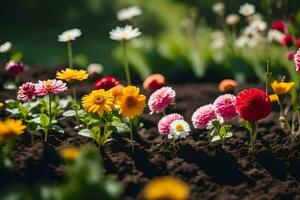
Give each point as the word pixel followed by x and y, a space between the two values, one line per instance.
pixel 175 41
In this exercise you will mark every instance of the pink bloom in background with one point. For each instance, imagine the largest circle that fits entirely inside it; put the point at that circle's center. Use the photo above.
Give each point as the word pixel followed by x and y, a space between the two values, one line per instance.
pixel 27 91
pixel 279 25
pixel 298 43
pixel 225 106
pixel 14 67
pixel 50 86
pixel 161 99
pixel 287 40
pixel 165 122
pixel 290 55
pixel 203 115
pixel 297 60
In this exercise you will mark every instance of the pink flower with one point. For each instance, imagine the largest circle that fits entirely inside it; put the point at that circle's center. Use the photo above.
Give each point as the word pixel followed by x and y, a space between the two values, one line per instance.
pixel 287 40
pixel 290 55
pixel 203 115
pixel 50 86
pixel 161 99
pixel 298 43
pixel 297 60
pixel 225 106
pixel 14 67
pixel 165 122
pixel 279 25
pixel 27 91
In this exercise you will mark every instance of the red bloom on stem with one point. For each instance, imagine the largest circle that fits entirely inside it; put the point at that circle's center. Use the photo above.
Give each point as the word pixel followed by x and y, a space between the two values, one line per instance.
pixel 106 83
pixel 287 40
pixel 279 25
pixel 14 67
pixel 154 82
pixel 290 55
pixel 298 43
pixel 253 104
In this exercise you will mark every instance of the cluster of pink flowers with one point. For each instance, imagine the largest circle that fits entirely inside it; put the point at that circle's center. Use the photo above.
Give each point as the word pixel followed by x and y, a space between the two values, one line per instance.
pixel 161 99
pixel 165 122
pixel 29 90
pixel 297 60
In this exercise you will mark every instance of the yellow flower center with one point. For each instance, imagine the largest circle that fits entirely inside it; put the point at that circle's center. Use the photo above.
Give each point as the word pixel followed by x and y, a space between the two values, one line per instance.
pixel 130 101
pixel 179 127
pixel 48 85
pixel 99 100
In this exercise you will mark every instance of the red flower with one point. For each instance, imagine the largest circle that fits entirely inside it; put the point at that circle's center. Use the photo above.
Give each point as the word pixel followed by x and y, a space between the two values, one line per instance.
pixel 298 43
pixel 290 55
pixel 154 82
pixel 253 104
pixel 279 25
pixel 106 83
pixel 287 40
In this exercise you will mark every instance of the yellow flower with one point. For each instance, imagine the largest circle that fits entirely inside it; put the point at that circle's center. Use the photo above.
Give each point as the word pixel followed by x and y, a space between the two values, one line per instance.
pixel 131 103
pixel 72 75
pixel 1 104
pixel 282 87
pixel 166 188
pixel 99 101
pixel 274 98
pixel 70 153
pixel 11 128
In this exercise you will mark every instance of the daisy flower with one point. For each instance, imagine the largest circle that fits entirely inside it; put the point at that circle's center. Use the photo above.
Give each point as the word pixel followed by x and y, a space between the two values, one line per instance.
pixel 124 33
pixel 11 128
pixel 27 91
pixel 5 47
pixel 218 8
pixel 274 35
pixel 72 75
pixel 161 99
pixel 164 124
pixel 94 69
pixel 203 115
pixel 129 13
pixel 232 19
pixel 50 86
pixel 247 9
pixel 179 129
pixel 69 35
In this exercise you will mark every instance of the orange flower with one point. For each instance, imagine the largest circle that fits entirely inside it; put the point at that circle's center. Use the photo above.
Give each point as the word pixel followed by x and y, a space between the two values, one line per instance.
pixel 116 90
pixel 154 82
pixel 227 85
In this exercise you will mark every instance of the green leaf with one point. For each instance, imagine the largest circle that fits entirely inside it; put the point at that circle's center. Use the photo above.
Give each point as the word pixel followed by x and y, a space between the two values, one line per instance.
pixel 225 129
pixel 11 103
pixel 44 120
pixel 247 125
pixel 120 127
pixel 32 126
pixel 69 113
pixel 24 111
pixel 75 106
pixel 86 133
pixel 17 56
pixel 14 111
pixel 57 129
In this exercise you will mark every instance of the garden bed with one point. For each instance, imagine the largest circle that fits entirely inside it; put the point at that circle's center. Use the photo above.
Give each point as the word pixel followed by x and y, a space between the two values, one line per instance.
pixel 211 172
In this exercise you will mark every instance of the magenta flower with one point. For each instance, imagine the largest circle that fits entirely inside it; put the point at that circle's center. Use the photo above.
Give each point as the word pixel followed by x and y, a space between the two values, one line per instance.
pixel 50 86
pixel 165 122
pixel 225 106
pixel 161 99
pixel 14 67
pixel 203 115
pixel 27 91
pixel 297 60
pixel 290 55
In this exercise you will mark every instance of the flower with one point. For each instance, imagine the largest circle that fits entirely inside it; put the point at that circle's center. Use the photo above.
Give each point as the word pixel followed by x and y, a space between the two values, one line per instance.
pixel 27 91
pixel 99 101
pixel 274 98
pixel 203 115
pixel 287 40
pixel 129 13
pixel 274 35
pixel 164 124
pixel 297 60
pixel 11 128
pixel 166 187
pixel 258 25
pixel 282 87
pixel 218 8
pixel 116 90
pixel 161 99
pixel 69 35
pixel 253 104
pixel 154 82
pixel 1 104
pixel 14 67
pixel 106 83
pixel 72 75
pixel 279 25
pixel 124 33
pixel 225 106
pixel 131 103
pixel 232 19
pixel 94 69
pixel 298 43
pixel 227 85
pixel 247 9
pixel 69 153
pixel 179 129
pixel 290 55
pixel 50 86
pixel 218 40
pixel 5 47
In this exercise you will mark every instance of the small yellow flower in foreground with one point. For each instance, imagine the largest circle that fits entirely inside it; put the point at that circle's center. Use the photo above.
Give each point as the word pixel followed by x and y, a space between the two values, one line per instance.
pixel 99 101
pixel 11 128
pixel 70 153
pixel 72 75
pixel 131 103
pixel 274 98
pixel 166 188
pixel 282 87
pixel 1 104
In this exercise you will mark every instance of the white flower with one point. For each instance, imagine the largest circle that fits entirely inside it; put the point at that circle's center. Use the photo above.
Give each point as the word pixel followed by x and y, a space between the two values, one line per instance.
pixel 254 17
pixel 232 19
pixel 69 35
pixel 218 40
pixel 258 25
pixel 129 13
pixel 274 35
pixel 249 38
pixel 179 129
pixel 247 9
pixel 94 69
pixel 219 8
pixel 124 33
pixel 5 47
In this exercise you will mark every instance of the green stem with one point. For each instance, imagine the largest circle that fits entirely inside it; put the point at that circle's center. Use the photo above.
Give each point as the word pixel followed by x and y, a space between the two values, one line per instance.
pixel 70 54
pixel 253 135
pixel 131 135
pixel 46 135
pixel 126 65
pixel 174 145
pixel 74 94
pixel 50 110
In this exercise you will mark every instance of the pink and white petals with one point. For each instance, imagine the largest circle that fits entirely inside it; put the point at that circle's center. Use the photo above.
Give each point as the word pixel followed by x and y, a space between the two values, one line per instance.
pixel 161 99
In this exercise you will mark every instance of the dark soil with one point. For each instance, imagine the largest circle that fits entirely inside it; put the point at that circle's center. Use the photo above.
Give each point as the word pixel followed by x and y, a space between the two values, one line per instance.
pixel 273 172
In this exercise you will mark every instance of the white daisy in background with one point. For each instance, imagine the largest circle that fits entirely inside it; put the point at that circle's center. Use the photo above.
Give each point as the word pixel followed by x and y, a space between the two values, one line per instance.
pixel 218 8
pixel 258 25
pixel 256 16
pixel 179 129
pixel 274 35
pixel 94 69
pixel 232 19
pixel 247 9
pixel 124 33
pixel 69 35
pixel 5 47
pixel 129 13
pixel 218 40
pixel 249 38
